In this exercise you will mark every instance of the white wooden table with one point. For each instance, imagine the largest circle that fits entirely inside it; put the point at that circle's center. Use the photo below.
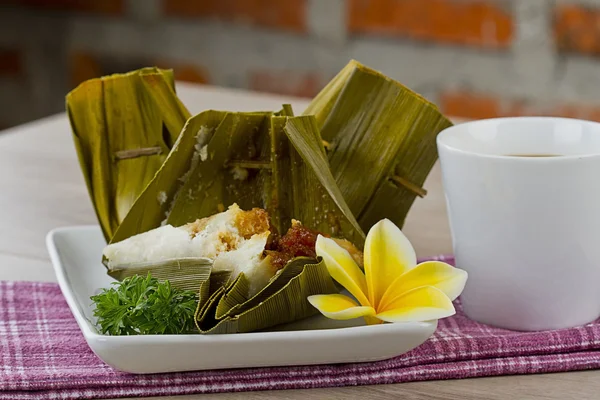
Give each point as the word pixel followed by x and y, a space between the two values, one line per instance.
pixel 41 187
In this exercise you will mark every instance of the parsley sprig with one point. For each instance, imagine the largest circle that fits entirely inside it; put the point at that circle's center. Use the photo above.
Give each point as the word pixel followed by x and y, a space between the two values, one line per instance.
pixel 144 305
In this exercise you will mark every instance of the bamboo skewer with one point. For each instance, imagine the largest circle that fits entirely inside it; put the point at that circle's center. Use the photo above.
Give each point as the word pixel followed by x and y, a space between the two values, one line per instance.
pixel 134 153
pixel 419 191
pixel 249 164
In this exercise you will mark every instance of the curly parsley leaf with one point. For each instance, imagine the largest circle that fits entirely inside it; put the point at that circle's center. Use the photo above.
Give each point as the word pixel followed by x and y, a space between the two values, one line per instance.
pixel 143 306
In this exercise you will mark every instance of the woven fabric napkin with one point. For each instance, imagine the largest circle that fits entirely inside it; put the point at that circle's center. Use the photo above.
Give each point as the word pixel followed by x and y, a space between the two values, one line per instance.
pixel 44 355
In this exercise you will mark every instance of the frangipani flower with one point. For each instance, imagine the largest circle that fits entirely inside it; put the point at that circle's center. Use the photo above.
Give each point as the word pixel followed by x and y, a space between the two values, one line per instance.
pixel 393 287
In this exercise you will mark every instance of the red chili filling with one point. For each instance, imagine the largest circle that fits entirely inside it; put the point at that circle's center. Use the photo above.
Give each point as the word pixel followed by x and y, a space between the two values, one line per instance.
pixel 298 241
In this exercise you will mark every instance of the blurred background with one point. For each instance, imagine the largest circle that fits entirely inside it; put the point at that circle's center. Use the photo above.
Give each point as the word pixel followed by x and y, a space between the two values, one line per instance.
pixel 474 58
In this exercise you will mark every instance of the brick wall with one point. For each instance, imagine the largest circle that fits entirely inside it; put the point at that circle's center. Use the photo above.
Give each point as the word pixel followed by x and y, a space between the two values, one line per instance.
pixel 475 58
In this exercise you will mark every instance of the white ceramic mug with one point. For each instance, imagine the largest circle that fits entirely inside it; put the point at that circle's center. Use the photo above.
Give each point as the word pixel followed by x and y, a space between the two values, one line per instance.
pixel 526 229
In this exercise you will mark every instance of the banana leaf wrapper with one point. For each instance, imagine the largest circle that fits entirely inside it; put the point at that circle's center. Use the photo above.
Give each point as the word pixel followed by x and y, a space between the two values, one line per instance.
pixel 123 125
pixel 381 139
pixel 236 299
pixel 283 300
pixel 269 160
pixel 261 159
pixel 171 188
pixel 183 273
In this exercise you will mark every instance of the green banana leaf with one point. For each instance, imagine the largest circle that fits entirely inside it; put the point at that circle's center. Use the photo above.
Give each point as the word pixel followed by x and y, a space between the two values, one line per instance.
pixel 236 299
pixel 284 300
pixel 382 141
pixel 247 158
pixel 189 273
pixel 214 183
pixel 309 154
pixel 183 273
pixel 123 128
pixel 154 203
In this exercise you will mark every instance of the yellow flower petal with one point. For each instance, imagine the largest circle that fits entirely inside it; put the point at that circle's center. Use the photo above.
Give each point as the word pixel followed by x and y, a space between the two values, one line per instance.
pixel 421 304
pixel 338 306
pixel 438 274
pixel 343 268
pixel 388 254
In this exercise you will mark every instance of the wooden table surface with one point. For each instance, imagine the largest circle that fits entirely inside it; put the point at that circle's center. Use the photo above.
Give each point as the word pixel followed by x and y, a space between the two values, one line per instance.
pixel 41 188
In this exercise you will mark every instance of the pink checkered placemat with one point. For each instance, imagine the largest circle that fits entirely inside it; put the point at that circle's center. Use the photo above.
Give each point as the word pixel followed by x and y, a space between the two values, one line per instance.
pixel 44 356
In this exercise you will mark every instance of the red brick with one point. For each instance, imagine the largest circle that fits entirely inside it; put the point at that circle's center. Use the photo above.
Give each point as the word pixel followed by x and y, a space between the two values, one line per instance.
pixel 10 62
pixel 471 105
pixel 287 15
pixel 466 22
pixel 84 66
pixel 577 29
pixel 186 72
pixel 286 82
pixel 109 7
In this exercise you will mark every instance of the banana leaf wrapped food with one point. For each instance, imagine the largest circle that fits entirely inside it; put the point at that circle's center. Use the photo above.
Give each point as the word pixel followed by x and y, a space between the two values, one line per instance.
pixel 232 242
pixel 249 277
pixel 273 165
pixel 373 123
pixel 212 210
pixel 255 159
pixel 123 125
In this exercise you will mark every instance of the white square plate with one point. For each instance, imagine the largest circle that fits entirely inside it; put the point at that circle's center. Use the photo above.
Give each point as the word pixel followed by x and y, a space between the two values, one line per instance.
pixel 76 254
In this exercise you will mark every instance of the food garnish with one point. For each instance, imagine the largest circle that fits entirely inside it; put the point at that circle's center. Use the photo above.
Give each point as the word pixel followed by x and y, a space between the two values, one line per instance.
pixel 393 287
pixel 142 305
